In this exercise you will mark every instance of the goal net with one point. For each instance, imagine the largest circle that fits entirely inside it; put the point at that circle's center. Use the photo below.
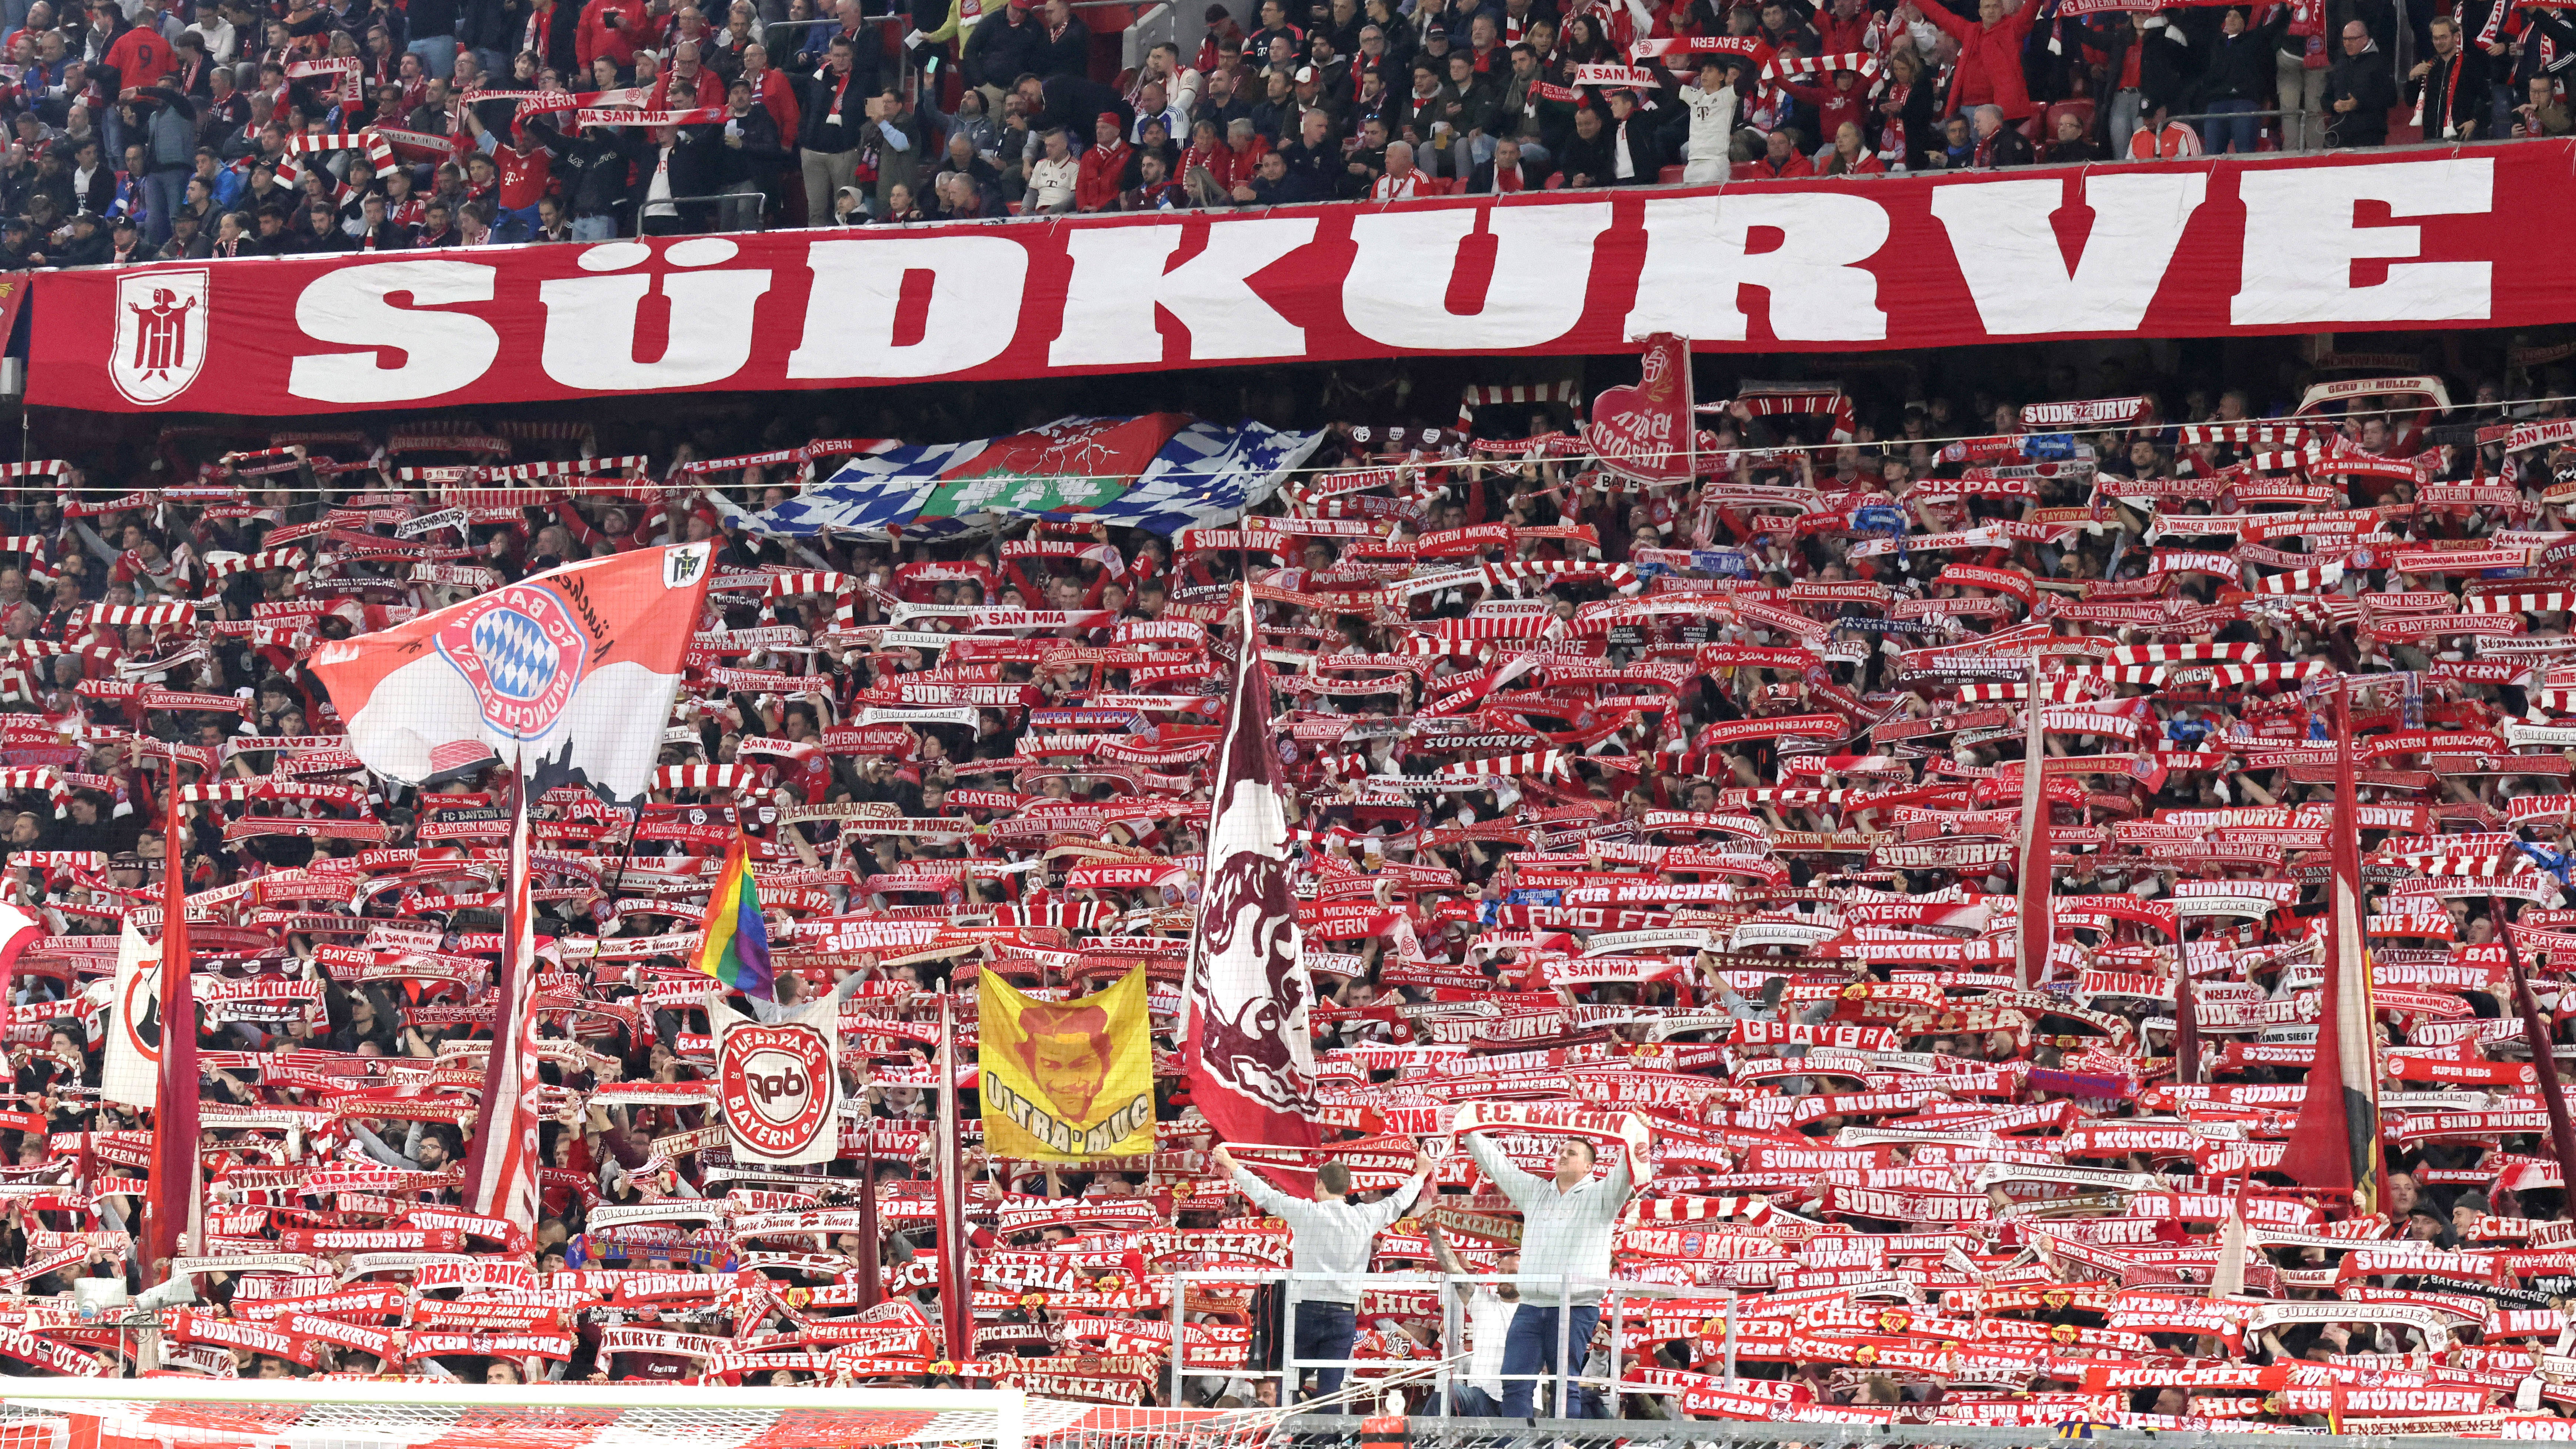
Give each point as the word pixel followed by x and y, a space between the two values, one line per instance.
pixel 204 1413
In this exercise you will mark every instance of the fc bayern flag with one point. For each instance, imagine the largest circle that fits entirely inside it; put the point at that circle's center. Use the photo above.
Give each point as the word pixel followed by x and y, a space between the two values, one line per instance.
pixel 1250 1062
pixel 567 675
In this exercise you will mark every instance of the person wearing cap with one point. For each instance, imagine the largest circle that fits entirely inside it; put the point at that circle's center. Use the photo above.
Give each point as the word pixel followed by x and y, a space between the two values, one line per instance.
pixel 1103 172
pixel 89 246
pixel 753 156
pixel 1221 28
pixel 17 250
pixel 190 239
pixel 126 246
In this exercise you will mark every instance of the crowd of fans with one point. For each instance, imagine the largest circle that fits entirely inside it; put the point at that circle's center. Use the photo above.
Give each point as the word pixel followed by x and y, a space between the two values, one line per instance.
pixel 144 129
pixel 1687 806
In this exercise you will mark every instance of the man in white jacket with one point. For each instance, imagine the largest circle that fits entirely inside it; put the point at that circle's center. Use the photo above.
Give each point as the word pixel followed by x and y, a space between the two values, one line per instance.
pixel 1712 124
pixel 1330 1234
pixel 1565 1229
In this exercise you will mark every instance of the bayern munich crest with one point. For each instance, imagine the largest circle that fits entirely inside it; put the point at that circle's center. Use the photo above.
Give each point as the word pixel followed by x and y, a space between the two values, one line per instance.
pixel 521 651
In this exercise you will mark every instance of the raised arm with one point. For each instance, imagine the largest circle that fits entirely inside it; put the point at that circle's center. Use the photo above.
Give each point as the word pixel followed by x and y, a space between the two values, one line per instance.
pixel 1262 1194
pixel 1394 1205
pixel 1517 1185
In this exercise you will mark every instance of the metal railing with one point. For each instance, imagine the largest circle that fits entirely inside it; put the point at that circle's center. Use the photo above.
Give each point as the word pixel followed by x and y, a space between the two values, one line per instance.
pixel 1431 1433
pixel 1446 1371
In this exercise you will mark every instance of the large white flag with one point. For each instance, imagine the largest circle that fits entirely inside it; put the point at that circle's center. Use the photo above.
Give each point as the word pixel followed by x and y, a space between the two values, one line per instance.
pixel 568 674
pixel 132 1072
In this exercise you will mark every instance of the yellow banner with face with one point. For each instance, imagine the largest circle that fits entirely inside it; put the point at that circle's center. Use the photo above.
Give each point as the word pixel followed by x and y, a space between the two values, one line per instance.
pixel 1067 1081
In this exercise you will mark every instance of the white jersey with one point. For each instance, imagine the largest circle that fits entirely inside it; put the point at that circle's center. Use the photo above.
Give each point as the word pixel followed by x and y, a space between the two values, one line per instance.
pixel 1712 122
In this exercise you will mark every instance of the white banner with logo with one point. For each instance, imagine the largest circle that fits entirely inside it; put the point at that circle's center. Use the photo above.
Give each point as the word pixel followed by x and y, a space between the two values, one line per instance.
pixel 777 1083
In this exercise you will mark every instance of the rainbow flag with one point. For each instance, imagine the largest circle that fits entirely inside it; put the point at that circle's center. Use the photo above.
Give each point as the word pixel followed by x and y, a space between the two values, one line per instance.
pixel 735 946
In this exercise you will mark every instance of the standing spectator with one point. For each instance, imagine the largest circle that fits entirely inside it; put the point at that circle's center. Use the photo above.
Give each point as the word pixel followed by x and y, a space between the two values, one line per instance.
pixel 1989 70
pixel 836 107
pixel 611 30
pixel 1064 48
pixel 688 83
pixel 593 168
pixel 895 137
pixel 753 157
pixel 2449 88
pixel 999 50
pixel 1636 145
pixel 2359 91
pixel 776 93
pixel 1711 108
pixel 432 27
pixel 1565 1230
pixel 1333 1235
pixel 2300 61
pixel 1104 166
pixel 681 162
pixel 2235 78
pixel 170 136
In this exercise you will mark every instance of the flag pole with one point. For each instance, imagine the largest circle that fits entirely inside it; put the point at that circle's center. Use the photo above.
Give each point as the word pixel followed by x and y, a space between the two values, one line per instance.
pixel 2186 1027
pixel 2544 1060
pixel 956 1315
pixel 2337 1148
pixel 500 1165
pixel 177 1205
pixel 871 1272
pixel 2035 935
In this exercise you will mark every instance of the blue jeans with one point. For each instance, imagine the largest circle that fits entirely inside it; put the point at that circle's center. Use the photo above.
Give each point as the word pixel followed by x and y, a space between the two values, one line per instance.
pixel 1530 1348
pixel 437 55
pixel 1475 1403
pixel 594 228
pixel 1324 1330
pixel 2229 119
pixel 166 188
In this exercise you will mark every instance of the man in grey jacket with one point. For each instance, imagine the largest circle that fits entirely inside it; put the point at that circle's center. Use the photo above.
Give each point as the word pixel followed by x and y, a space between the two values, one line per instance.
pixel 1330 1234
pixel 1565 1229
